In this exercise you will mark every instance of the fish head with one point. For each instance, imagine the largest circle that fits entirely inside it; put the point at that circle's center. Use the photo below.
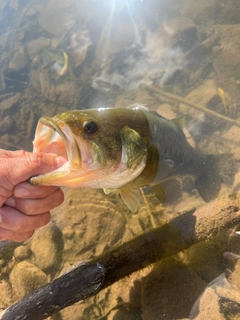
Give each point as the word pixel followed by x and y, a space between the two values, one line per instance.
pixel 97 147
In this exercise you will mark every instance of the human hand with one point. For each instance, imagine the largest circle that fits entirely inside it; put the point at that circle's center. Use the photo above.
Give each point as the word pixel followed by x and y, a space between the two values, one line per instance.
pixel 24 207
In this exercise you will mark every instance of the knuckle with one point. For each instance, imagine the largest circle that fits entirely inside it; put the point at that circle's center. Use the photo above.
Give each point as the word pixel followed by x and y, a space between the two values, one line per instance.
pixel 6 153
pixel 35 159
pixel 21 152
pixel 5 194
pixel 29 208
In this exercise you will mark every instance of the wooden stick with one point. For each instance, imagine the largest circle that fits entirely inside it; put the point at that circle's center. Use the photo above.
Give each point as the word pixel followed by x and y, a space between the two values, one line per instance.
pixel 78 284
pixel 179 99
pixel 6 95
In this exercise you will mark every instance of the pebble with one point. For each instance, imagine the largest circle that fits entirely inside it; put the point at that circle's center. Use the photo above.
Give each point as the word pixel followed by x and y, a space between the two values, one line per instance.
pixel 47 245
pixel 22 253
pixel 25 278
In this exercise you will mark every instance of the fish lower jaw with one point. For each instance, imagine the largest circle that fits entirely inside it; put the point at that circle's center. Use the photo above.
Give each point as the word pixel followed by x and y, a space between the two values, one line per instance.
pixel 88 175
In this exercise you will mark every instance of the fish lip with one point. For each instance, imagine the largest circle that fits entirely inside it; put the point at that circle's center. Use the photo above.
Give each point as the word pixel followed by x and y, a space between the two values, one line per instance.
pixel 73 151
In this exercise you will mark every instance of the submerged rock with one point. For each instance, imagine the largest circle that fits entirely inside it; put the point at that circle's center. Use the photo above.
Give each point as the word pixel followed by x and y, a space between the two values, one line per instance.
pixel 6 294
pixel 22 253
pixel 201 12
pixel 25 278
pixel 161 298
pixel 227 59
pixel 19 60
pixel 47 246
pixel 57 17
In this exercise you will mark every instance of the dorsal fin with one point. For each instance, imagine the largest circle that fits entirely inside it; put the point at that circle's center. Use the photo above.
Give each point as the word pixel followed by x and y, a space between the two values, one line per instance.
pixel 140 106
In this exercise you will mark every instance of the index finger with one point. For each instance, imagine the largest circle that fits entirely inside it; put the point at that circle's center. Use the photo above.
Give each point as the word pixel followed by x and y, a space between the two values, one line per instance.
pixel 25 190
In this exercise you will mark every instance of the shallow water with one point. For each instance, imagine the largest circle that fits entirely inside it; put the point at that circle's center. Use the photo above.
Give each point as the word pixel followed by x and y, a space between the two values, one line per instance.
pixel 176 57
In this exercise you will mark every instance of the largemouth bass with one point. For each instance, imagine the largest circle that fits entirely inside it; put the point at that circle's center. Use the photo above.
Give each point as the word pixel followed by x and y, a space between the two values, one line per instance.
pixel 124 149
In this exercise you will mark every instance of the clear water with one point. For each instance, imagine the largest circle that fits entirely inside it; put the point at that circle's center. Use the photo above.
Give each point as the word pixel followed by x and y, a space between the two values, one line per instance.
pixel 176 57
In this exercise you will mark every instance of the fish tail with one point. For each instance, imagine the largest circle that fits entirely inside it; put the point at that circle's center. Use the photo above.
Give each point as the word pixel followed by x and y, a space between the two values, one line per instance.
pixel 216 170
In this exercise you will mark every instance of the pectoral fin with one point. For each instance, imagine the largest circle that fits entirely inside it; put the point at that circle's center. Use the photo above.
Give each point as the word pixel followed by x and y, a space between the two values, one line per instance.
pixel 132 198
pixel 168 191
pixel 134 147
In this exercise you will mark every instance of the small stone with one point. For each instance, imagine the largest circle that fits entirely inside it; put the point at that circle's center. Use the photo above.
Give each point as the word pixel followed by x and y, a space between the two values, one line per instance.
pixel 6 294
pixel 25 278
pixel 232 136
pixel 165 110
pixel 22 253
pixel 7 104
pixel 68 232
pixel 47 247
pixel 206 10
pixel 202 95
pixel 160 291
pixel 51 19
pixel 34 46
pixel 19 60
pixel 207 306
pixel 6 124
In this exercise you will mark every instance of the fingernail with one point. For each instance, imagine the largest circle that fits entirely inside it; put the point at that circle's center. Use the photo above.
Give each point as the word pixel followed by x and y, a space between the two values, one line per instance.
pixel 21 192
pixel 10 202
pixel 60 161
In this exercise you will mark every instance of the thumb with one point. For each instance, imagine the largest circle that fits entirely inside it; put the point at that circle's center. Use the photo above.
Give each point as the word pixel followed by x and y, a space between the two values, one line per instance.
pixel 22 168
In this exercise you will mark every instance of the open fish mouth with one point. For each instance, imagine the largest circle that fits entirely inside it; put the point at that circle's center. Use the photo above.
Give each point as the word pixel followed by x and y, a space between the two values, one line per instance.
pixel 56 137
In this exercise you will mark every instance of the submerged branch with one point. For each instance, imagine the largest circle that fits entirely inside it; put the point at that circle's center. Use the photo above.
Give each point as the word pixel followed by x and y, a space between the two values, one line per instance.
pixel 6 95
pixel 179 99
pixel 88 278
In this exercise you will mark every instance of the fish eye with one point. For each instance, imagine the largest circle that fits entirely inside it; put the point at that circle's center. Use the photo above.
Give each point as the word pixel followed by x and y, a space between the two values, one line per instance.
pixel 90 127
